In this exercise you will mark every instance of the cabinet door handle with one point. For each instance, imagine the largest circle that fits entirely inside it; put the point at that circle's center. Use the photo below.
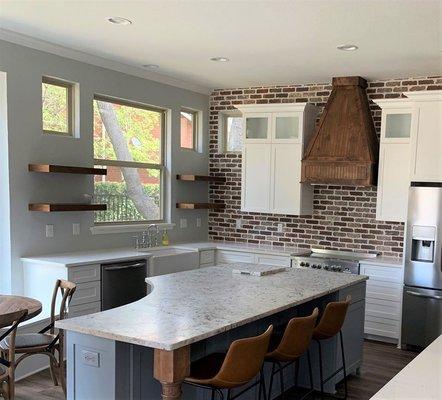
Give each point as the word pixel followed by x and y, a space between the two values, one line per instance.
pixel 424 295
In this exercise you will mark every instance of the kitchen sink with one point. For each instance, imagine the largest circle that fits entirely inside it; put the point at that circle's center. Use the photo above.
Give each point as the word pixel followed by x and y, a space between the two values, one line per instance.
pixel 171 259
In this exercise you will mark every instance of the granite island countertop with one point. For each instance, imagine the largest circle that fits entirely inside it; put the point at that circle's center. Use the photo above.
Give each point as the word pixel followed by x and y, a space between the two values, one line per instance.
pixel 187 307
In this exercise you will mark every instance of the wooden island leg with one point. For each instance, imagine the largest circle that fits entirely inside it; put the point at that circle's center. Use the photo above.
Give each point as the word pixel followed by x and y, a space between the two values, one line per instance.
pixel 170 368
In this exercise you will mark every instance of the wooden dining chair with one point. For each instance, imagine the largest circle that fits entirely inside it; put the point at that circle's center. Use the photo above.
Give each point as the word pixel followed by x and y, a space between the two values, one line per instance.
pixel 47 341
pixel 242 362
pixel 7 365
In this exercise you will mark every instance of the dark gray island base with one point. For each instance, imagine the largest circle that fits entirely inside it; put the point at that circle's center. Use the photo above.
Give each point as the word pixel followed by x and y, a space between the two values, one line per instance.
pixel 143 350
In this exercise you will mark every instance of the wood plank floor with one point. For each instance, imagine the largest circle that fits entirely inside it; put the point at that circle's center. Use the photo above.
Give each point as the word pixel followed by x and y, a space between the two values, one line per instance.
pixel 381 362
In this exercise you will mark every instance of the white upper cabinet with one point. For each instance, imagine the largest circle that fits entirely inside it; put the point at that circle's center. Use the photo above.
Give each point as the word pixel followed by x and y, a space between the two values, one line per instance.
pixel 426 160
pixel 410 149
pixel 398 122
pixel 275 138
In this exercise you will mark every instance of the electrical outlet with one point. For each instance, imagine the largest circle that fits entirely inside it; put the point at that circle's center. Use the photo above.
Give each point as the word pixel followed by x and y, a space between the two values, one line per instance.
pixel 90 358
pixel 198 222
pixel 49 231
pixel 280 227
pixel 239 223
pixel 76 229
pixel 183 223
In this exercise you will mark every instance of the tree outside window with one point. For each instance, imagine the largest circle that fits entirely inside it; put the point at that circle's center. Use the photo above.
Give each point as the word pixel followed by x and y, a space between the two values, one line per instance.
pixel 128 140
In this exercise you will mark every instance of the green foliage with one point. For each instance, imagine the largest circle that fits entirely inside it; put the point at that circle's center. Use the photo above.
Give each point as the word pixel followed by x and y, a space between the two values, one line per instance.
pixel 139 127
pixel 120 206
pixel 55 108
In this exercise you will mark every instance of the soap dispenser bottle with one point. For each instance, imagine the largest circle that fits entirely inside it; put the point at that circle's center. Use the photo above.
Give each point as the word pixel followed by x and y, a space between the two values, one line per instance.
pixel 165 239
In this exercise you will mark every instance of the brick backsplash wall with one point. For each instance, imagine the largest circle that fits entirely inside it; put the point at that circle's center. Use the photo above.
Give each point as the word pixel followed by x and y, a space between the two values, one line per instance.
pixel 344 217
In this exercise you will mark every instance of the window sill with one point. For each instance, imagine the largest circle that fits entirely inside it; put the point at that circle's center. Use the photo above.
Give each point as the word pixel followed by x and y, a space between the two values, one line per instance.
pixel 105 229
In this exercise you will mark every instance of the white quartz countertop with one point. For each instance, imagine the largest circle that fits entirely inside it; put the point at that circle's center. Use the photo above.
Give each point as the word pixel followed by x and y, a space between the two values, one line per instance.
pixel 419 380
pixel 190 306
pixel 120 254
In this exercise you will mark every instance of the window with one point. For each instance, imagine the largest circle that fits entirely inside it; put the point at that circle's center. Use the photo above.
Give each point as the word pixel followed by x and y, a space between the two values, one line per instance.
pixel 57 107
pixel 129 141
pixel 231 133
pixel 188 129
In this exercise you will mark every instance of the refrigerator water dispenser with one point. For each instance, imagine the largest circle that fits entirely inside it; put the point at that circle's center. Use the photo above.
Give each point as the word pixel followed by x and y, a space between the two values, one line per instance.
pixel 422 247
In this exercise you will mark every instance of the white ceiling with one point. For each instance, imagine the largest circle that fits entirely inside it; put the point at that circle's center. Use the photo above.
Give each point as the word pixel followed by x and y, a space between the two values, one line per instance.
pixel 267 41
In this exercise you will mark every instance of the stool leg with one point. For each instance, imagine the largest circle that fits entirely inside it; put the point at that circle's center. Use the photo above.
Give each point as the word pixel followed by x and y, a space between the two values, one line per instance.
pixel 309 360
pixel 262 384
pixel 212 397
pixel 281 380
pixel 320 370
pixel 221 395
pixel 296 374
pixel 343 365
pixel 271 381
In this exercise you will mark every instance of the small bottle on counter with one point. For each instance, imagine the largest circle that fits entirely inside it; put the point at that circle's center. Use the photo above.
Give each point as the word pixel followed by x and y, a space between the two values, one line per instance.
pixel 165 239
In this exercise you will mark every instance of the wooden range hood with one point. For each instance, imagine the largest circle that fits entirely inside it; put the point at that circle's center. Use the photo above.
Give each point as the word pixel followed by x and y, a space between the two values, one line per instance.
pixel 344 149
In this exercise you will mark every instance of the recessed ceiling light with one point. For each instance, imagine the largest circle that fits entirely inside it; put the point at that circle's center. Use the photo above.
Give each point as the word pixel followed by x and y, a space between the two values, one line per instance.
pixel 219 59
pixel 347 47
pixel 151 66
pixel 119 21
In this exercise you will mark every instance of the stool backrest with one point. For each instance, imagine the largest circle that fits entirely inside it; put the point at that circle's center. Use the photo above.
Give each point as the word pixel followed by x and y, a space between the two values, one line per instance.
pixel 297 336
pixel 333 318
pixel 67 290
pixel 244 360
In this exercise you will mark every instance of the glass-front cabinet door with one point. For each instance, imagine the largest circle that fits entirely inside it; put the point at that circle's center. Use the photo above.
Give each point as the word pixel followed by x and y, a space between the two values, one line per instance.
pixel 286 127
pixel 396 125
pixel 257 127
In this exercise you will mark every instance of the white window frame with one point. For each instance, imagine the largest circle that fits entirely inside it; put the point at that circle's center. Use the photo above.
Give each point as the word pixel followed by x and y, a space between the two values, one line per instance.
pixel 71 100
pixel 196 128
pixel 139 165
pixel 222 130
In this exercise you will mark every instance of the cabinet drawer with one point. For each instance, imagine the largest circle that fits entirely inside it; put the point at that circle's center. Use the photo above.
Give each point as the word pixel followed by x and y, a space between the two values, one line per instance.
pixel 391 292
pixel 84 273
pixel 226 256
pixel 84 309
pixel 381 329
pixel 87 293
pixel 207 257
pixel 385 274
pixel 278 261
pixel 383 309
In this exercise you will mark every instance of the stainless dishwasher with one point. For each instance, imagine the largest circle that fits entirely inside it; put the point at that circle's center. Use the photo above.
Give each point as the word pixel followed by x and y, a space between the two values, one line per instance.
pixel 122 283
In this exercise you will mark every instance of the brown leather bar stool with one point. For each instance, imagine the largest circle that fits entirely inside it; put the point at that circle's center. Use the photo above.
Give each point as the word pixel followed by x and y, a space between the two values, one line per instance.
pixel 7 365
pixel 294 343
pixel 330 325
pixel 47 341
pixel 242 362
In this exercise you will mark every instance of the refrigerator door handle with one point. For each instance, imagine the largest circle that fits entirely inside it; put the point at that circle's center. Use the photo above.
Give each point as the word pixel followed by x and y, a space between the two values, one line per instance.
pixel 424 295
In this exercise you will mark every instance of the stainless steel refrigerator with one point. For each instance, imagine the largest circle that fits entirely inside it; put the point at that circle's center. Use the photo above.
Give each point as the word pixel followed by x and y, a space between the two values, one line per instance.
pixel 422 298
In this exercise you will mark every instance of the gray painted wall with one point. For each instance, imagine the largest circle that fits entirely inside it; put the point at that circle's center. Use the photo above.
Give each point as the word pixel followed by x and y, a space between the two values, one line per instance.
pixel 27 144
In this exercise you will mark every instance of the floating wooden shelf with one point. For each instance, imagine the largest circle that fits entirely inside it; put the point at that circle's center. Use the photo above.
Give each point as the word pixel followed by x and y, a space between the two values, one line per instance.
pixel 205 178
pixel 199 206
pixel 66 169
pixel 55 207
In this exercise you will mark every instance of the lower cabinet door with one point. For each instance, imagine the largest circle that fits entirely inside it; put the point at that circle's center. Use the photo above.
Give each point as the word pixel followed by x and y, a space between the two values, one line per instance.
pixel 84 309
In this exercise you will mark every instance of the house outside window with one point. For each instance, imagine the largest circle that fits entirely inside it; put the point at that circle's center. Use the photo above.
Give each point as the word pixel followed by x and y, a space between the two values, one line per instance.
pixel 57 107
pixel 129 142
pixel 188 129
pixel 231 132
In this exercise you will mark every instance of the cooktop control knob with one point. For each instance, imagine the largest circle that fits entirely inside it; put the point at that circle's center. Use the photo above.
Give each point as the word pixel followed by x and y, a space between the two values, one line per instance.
pixel 302 264
pixel 327 267
pixel 307 264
